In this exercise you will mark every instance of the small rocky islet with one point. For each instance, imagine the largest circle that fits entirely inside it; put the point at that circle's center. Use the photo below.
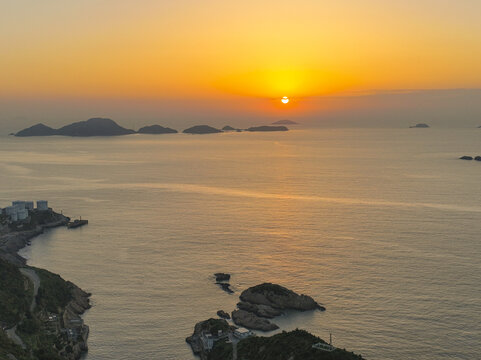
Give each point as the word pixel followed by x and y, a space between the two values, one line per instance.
pixel 468 157
pixel 216 339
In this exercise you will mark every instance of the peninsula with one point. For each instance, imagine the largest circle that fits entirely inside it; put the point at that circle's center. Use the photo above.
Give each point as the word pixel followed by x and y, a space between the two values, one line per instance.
pixel 40 313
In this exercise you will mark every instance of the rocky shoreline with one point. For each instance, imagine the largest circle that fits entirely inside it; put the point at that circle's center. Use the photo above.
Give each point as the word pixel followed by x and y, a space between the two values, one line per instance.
pixel 55 313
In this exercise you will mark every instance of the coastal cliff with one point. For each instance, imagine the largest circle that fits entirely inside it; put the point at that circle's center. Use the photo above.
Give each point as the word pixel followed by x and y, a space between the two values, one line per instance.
pixel 40 313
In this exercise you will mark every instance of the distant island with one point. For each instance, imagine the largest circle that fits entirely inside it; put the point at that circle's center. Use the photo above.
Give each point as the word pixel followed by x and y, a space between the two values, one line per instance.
pixel 228 128
pixel 267 128
pixel 91 127
pixel 421 125
pixel 201 129
pixel 156 129
pixel 285 122
pixel 108 127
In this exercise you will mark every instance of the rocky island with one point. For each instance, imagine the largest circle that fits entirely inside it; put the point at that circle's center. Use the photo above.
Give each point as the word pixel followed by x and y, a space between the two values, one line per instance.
pixel 421 125
pixel 156 129
pixel 91 127
pixel 40 313
pixel 267 128
pixel 201 129
pixel 218 339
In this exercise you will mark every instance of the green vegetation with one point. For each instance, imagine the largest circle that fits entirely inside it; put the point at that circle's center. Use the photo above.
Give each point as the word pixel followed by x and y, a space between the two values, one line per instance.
pixel 214 325
pixel 293 345
pixel 54 293
pixel 15 296
pixel 8 347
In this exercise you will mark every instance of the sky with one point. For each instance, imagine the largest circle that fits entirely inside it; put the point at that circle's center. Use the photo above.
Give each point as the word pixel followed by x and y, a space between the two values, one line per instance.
pixel 187 61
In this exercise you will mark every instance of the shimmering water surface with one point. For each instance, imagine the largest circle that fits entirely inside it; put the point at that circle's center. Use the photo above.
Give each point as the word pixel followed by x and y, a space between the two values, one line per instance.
pixel 381 226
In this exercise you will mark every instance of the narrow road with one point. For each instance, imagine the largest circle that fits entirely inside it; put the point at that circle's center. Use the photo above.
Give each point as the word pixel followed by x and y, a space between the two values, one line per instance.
pixel 234 342
pixel 32 275
pixel 12 335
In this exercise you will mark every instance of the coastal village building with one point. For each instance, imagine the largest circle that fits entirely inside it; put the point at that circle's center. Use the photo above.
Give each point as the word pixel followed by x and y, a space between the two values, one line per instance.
pixel 242 333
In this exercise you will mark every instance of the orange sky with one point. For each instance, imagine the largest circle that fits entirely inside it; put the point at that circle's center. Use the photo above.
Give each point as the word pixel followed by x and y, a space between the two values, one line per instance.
pixel 152 49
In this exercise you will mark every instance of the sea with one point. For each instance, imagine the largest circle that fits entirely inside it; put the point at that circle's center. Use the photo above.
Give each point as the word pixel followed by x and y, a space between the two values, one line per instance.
pixel 381 226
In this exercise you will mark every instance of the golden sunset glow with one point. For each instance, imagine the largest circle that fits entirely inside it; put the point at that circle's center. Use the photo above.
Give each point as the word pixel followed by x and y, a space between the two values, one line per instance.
pixel 244 50
pixel 285 100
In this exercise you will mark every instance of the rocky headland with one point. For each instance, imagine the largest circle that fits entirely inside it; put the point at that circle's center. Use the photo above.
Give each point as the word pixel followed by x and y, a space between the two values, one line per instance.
pixel 216 339
pixel 40 313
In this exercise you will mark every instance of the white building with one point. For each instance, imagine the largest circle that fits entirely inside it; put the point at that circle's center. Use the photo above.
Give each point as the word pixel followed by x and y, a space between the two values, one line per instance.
pixel 22 214
pixel 18 204
pixel 207 341
pixel 42 205
pixel 29 205
pixel 242 333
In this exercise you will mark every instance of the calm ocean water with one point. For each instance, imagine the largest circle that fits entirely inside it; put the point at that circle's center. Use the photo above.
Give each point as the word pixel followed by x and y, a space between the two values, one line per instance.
pixel 381 226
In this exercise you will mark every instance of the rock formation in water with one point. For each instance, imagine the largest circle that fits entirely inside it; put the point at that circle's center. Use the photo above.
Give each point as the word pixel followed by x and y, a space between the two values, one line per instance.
pixel 267 128
pixel 156 129
pixel 466 157
pixel 477 158
pixel 421 125
pixel 228 128
pixel 222 277
pixel 201 129
pixel 264 311
pixel 279 297
pixel 252 321
pixel 222 314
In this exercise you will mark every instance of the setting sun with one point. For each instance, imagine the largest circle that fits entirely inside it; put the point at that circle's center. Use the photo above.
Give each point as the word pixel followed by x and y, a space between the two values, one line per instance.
pixel 285 100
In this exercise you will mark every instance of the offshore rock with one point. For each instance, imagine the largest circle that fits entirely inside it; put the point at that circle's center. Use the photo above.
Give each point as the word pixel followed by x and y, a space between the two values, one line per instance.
pixel 252 321
pixel 465 157
pixel 225 287
pixel 264 311
pixel 222 314
pixel 279 297
pixel 222 277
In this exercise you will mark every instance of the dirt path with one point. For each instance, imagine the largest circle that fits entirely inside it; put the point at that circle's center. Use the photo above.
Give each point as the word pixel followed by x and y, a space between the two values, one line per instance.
pixel 12 335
